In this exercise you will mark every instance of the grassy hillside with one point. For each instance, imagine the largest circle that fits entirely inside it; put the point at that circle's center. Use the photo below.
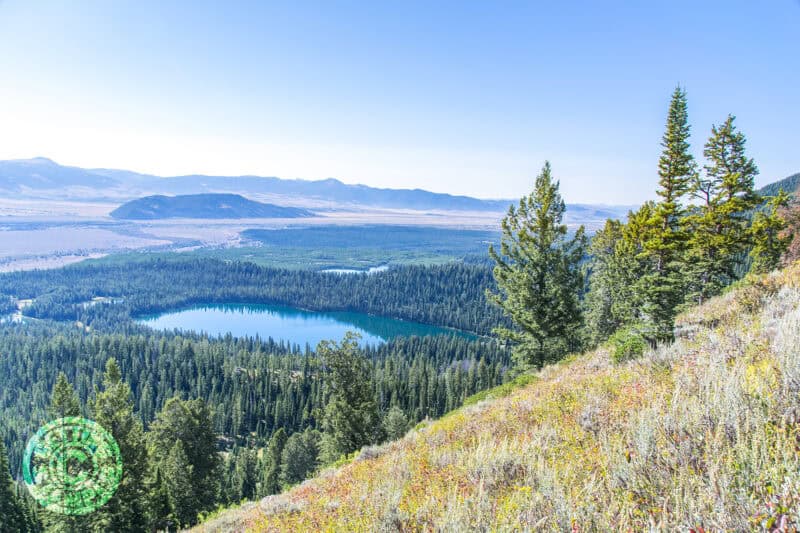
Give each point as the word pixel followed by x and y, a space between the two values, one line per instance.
pixel 703 433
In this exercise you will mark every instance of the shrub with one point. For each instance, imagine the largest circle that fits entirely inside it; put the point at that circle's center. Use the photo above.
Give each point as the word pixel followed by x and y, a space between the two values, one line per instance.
pixel 627 344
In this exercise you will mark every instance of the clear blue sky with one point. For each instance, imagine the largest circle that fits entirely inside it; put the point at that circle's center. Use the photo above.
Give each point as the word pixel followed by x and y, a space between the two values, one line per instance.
pixel 461 97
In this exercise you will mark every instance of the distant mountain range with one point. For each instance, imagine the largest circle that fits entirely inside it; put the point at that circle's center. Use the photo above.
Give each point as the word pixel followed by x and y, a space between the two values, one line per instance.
pixel 41 178
pixel 203 206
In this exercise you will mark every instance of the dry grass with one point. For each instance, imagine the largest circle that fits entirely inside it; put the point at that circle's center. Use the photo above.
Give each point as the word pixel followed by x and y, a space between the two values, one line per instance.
pixel 703 433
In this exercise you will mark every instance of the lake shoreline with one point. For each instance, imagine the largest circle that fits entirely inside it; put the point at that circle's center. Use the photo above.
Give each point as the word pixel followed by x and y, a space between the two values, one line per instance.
pixel 289 323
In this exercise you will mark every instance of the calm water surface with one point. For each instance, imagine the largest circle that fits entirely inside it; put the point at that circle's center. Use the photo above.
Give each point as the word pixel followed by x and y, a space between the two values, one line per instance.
pixel 370 270
pixel 289 324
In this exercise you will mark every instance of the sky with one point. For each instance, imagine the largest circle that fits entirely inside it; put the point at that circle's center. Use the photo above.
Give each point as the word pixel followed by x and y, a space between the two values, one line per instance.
pixel 462 97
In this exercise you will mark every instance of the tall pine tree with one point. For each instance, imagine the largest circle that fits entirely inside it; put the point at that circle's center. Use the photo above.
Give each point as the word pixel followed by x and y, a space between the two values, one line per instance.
pixel 12 511
pixel 178 473
pixel 271 463
pixel 665 244
pixel 538 275
pixel 112 408
pixel 189 422
pixel 245 474
pixel 719 229
pixel 64 401
pixel 159 505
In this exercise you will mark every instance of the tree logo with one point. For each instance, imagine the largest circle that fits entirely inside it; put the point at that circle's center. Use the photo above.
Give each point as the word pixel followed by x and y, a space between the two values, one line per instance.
pixel 72 466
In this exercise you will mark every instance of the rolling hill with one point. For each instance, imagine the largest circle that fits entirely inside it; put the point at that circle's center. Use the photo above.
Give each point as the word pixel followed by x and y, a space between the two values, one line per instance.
pixel 701 435
pixel 212 206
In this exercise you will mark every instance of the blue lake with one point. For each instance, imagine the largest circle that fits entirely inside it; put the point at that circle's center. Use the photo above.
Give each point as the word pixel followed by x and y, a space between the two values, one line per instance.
pixel 370 270
pixel 289 324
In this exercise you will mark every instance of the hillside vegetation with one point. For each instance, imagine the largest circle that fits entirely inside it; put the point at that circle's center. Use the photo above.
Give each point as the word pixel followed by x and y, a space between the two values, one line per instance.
pixel 702 433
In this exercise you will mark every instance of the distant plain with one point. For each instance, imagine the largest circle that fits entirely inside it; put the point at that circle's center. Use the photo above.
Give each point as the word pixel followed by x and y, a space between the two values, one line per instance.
pixel 51 215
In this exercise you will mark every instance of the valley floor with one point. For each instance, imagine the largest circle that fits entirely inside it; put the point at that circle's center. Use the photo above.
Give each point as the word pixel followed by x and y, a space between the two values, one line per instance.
pixel 60 233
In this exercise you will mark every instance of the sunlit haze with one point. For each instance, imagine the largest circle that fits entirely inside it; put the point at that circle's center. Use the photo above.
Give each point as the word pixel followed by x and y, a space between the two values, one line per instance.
pixel 459 97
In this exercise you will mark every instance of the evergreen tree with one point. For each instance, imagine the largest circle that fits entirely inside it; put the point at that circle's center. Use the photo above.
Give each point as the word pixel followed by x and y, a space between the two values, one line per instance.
pixel 112 408
pixel 229 493
pixel 245 474
pixel 665 245
pixel 614 273
pixel 189 422
pixel 178 475
pixel 159 503
pixel 299 458
pixel 395 423
pixel 30 509
pixel 719 228
pixel 538 276
pixel 271 469
pixel 770 240
pixel 351 416
pixel 633 265
pixel 12 511
pixel 64 401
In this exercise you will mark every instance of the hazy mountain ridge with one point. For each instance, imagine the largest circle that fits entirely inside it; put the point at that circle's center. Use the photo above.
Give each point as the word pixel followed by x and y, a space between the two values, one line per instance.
pixel 42 174
pixel 43 178
pixel 210 206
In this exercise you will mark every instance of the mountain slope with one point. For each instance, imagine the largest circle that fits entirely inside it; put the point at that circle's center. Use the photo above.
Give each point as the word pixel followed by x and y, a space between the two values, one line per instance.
pixel 40 173
pixel 700 434
pixel 789 185
pixel 203 206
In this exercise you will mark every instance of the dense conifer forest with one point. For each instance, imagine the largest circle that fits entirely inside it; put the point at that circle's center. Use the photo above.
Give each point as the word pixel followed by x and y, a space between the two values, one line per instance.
pixel 251 388
pixel 450 295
